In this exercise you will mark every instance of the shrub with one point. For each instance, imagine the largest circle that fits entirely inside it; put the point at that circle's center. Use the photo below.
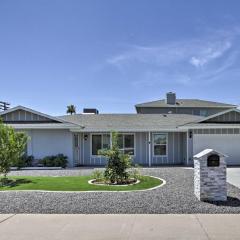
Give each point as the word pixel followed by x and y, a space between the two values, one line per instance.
pixel 59 160
pixel 12 147
pixel 117 163
pixel 24 161
pixel 135 172
pixel 98 175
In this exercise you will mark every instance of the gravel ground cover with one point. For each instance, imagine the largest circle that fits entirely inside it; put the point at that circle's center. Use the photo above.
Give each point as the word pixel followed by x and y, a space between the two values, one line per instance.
pixel 175 197
pixel 53 173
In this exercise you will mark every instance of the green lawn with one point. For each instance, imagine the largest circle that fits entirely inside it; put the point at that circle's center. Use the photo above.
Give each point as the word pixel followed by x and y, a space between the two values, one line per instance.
pixel 76 183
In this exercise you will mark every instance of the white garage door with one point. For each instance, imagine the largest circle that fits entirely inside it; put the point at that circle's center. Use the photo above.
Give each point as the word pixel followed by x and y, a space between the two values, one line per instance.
pixel 228 144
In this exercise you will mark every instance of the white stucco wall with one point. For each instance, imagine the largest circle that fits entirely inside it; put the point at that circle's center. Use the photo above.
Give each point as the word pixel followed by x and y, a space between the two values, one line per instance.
pixel 43 143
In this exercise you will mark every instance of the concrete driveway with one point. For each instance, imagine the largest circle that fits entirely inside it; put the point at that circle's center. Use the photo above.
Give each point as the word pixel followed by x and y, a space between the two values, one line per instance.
pixel 233 176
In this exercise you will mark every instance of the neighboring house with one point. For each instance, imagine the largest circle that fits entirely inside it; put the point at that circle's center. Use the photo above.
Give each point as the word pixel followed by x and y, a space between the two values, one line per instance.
pixel 184 106
pixel 152 139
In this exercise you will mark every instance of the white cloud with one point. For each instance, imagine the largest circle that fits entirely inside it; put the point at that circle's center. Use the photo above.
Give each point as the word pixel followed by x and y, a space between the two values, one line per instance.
pixel 207 54
pixel 183 62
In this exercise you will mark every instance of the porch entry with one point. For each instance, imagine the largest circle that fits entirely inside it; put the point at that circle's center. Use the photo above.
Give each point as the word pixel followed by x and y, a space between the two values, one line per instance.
pixel 146 149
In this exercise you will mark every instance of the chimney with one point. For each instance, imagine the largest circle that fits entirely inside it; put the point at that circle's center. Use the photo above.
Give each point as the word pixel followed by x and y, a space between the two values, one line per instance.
pixel 171 98
pixel 90 111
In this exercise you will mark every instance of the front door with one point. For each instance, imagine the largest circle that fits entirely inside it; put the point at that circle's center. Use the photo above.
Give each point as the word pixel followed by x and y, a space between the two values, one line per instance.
pixel 76 149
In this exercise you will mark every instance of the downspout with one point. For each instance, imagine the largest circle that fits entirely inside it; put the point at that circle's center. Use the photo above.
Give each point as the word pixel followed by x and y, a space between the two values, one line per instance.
pixel 111 140
pixel 149 149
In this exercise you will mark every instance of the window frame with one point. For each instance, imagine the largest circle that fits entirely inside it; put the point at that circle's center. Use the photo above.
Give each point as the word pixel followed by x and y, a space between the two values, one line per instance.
pixel 201 112
pixel 91 143
pixel 134 143
pixel 153 144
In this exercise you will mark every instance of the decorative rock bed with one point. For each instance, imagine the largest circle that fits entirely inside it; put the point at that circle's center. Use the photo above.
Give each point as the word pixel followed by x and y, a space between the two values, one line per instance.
pixel 175 197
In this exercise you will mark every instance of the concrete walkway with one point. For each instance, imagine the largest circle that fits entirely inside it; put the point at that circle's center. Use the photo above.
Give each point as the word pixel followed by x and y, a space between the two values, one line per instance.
pixel 116 227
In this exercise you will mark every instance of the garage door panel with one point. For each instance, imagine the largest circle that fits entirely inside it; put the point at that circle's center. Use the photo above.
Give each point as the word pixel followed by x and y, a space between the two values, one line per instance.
pixel 227 144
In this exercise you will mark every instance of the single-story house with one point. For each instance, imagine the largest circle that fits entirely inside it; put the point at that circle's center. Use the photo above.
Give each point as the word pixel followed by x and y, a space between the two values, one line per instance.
pixel 163 132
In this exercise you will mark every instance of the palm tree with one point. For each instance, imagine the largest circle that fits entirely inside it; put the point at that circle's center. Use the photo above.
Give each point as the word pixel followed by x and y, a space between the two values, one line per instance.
pixel 71 109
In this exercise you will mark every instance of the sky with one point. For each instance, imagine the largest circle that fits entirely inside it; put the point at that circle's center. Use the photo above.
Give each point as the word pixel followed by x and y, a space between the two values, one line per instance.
pixel 113 54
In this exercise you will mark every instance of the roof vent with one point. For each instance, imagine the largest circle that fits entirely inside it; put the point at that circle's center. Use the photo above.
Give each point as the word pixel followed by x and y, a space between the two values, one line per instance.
pixel 90 111
pixel 171 98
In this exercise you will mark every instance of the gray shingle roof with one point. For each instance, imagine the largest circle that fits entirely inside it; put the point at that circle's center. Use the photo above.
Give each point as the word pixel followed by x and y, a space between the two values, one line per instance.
pixel 130 122
pixel 186 103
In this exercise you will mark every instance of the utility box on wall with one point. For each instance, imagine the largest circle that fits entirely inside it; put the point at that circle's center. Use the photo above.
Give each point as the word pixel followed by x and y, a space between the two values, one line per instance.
pixel 210 176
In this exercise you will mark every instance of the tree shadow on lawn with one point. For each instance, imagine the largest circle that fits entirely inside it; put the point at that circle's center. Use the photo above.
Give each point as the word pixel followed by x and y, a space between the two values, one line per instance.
pixel 13 182
pixel 231 202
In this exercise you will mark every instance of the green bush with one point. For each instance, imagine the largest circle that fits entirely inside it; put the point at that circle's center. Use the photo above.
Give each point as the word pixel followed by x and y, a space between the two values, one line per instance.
pixel 135 172
pixel 12 147
pixel 59 160
pixel 24 161
pixel 98 175
pixel 117 163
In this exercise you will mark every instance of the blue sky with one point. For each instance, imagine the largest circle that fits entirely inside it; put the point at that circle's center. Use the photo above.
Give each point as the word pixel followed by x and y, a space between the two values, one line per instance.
pixel 112 54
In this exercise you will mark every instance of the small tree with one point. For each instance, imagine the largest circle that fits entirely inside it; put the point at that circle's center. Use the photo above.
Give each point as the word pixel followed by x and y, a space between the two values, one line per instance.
pixel 117 163
pixel 12 147
pixel 71 109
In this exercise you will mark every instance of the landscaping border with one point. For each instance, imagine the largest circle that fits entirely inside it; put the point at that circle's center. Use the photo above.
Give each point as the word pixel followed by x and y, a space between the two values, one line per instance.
pixel 112 185
pixel 96 191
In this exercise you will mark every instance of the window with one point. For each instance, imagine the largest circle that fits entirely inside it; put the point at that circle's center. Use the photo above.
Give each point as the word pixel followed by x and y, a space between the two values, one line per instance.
pixel 160 144
pixel 100 141
pixel 126 143
pixel 203 113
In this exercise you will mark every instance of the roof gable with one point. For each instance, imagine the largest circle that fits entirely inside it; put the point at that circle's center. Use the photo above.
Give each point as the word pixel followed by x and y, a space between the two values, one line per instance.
pixel 228 116
pixel 22 114
pixel 208 152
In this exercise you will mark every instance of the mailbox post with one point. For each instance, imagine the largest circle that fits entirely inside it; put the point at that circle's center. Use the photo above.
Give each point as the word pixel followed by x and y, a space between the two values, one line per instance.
pixel 210 176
